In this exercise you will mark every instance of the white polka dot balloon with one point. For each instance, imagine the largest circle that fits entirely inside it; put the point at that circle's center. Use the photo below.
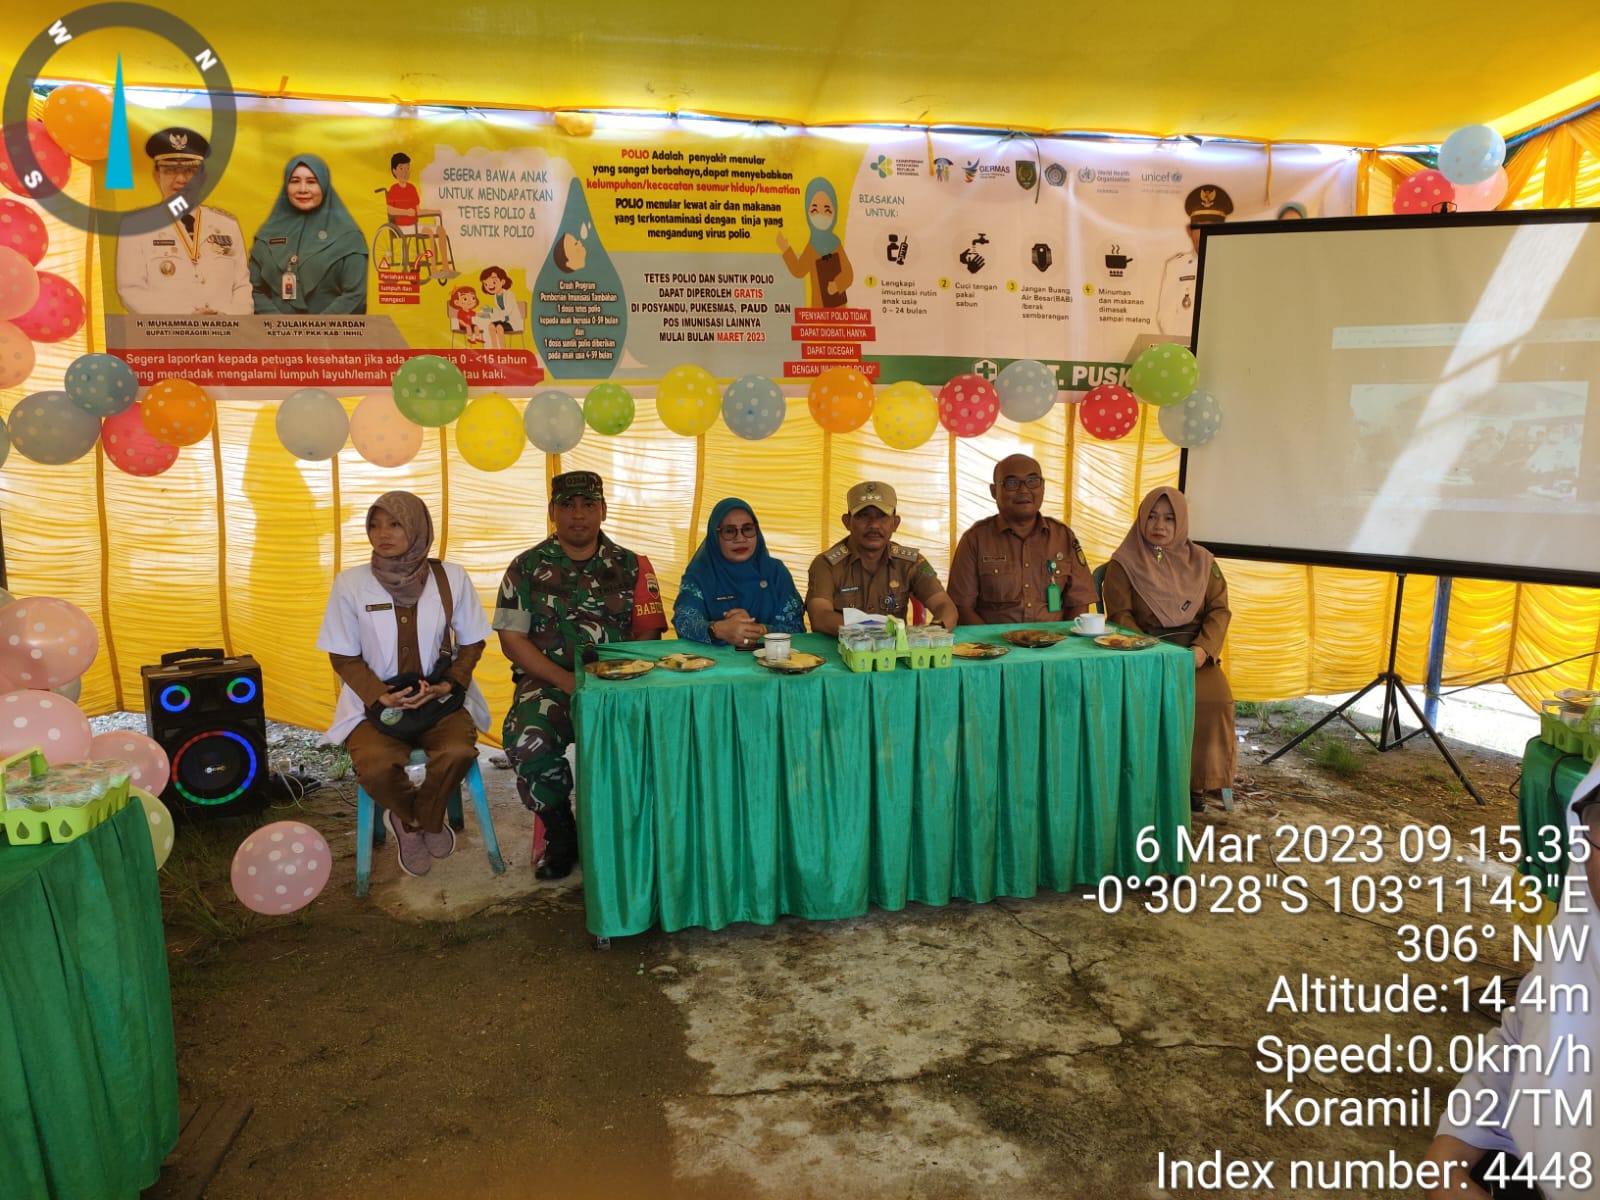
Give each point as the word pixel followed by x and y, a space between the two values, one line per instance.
pixel 753 407
pixel 159 819
pixel 381 435
pixel 151 767
pixel 554 421
pixel 281 868
pixel 45 642
pixel 1194 422
pixel 53 723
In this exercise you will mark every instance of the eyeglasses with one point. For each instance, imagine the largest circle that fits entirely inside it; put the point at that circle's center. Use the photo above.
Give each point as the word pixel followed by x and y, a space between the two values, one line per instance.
pixel 1032 482
pixel 177 169
pixel 733 533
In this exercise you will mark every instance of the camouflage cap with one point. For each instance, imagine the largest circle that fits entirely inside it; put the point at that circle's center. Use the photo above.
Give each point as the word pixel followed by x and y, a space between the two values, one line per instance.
pixel 870 495
pixel 177 144
pixel 571 484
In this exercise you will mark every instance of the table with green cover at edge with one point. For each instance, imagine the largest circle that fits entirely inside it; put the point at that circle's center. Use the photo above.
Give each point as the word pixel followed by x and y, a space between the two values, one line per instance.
pixel 739 794
pixel 88 1069
pixel 1549 778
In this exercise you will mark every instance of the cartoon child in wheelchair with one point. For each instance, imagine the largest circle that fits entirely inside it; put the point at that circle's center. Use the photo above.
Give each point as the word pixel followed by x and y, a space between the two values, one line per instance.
pixel 413 238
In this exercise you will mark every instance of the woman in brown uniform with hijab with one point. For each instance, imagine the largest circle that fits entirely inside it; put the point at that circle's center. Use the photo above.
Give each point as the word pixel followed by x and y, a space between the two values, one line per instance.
pixel 1161 583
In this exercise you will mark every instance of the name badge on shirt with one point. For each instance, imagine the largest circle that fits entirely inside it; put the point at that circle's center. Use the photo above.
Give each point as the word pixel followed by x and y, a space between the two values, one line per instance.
pixel 379 607
pixel 843 590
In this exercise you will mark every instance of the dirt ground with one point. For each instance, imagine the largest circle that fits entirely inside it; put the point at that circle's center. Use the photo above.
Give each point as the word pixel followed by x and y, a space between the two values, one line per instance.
pixel 458 1036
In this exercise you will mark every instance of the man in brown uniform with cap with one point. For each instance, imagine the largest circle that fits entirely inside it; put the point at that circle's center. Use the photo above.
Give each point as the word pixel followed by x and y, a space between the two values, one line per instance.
pixel 1207 204
pixel 196 263
pixel 1019 565
pixel 868 571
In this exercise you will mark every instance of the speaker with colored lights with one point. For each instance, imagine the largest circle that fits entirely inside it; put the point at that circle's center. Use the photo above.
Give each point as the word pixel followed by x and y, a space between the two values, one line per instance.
pixel 206 710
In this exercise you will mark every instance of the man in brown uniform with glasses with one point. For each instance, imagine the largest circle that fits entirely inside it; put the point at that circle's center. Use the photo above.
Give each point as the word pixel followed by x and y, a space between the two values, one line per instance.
pixel 1019 566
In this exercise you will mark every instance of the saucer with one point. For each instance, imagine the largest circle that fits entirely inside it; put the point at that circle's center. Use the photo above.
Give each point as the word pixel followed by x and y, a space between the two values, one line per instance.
pixel 798 662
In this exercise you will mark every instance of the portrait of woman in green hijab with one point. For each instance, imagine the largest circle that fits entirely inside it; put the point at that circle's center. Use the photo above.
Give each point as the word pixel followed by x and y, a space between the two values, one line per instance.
pixel 309 256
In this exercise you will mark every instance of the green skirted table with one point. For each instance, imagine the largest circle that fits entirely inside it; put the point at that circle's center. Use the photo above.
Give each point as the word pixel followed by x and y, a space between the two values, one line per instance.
pixel 88 1069
pixel 739 794
pixel 1549 777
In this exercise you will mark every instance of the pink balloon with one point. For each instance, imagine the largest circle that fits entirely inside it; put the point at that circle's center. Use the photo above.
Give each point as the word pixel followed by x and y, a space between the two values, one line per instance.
pixel 968 405
pixel 16 355
pixel 22 230
pixel 281 867
pixel 45 642
pixel 381 434
pixel 1481 197
pixel 48 155
pixel 134 449
pixel 58 312
pixel 1424 192
pixel 53 723
pixel 19 284
pixel 151 767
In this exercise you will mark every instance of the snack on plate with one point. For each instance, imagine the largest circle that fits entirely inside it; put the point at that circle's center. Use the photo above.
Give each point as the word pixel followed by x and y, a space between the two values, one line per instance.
pixel 798 662
pixel 1032 639
pixel 685 662
pixel 1126 641
pixel 619 668
pixel 978 650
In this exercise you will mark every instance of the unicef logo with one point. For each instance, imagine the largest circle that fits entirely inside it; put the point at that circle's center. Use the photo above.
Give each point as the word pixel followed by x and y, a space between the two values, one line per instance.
pixel 1177 177
pixel 1085 174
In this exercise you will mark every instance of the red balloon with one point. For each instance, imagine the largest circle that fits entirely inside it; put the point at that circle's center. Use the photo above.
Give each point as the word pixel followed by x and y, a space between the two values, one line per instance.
pixel 132 447
pixel 1424 192
pixel 22 230
pixel 57 314
pixel 51 157
pixel 1109 412
pixel 968 405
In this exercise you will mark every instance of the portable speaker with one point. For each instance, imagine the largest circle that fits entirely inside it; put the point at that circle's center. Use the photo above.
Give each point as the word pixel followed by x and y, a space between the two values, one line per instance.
pixel 207 712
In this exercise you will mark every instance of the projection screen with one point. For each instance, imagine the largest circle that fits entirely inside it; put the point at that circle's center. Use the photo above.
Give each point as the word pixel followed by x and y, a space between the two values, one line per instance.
pixel 1409 394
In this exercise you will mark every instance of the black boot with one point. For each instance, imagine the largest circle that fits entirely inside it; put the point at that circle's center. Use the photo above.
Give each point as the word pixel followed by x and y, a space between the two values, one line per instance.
pixel 560 843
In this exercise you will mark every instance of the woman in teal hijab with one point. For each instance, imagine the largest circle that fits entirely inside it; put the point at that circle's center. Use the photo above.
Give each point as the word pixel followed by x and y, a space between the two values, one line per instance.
pixel 735 591
pixel 823 259
pixel 310 256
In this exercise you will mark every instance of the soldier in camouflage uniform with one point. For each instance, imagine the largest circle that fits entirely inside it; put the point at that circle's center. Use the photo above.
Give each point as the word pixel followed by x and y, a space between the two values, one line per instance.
pixel 868 571
pixel 576 588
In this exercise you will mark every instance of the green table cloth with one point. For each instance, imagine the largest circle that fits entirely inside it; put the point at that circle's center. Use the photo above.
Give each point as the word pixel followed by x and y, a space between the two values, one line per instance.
pixel 738 794
pixel 1549 777
pixel 88 1068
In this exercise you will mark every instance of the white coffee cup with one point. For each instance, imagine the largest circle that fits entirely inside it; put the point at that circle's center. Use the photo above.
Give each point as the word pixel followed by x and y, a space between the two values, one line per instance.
pixel 777 647
pixel 1093 624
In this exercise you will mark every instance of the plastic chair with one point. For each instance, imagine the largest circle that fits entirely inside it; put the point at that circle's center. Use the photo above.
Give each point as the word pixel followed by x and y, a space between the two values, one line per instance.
pixel 370 832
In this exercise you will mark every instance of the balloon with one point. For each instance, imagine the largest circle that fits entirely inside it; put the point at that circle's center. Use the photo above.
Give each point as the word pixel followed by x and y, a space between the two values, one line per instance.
pixel 1424 192
pixel 22 230
pixel 312 424
pixel 489 433
pixel 381 435
pixel 53 723
pixel 1481 197
pixel 553 421
pixel 968 405
pixel 151 767
pixel 905 415
pixel 58 312
pixel 19 285
pixel 78 117
pixel 160 822
pixel 5 453
pixel 754 407
pixel 1027 390
pixel 1192 423
pixel 51 158
pixel 608 408
pixel 1163 374
pixel 178 412
pixel 840 399
pixel 1109 412
pixel 50 429
pixel 45 642
pixel 688 401
pixel 1471 155
pixel 429 390
pixel 101 384
pixel 131 446
pixel 281 867
pixel 16 355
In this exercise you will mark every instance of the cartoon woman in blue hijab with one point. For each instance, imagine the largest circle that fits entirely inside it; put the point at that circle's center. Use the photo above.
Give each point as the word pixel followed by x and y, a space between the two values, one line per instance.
pixel 823 260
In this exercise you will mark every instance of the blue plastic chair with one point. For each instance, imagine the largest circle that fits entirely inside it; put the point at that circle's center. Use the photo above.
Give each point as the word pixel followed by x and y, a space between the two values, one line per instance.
pixel 370 832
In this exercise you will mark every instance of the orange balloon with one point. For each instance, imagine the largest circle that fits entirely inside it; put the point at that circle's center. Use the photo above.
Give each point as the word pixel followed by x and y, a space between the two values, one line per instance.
pixel 840 399
pixel 78 117
pixel 178 412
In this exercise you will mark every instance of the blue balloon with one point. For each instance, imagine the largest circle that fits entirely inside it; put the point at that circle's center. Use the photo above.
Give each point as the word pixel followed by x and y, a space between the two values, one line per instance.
pixel 1027 390
pixel 1471 154
pixel 49 428
pixel 1192 422
pixel 101 384
pixel 554 422
pixel 754 407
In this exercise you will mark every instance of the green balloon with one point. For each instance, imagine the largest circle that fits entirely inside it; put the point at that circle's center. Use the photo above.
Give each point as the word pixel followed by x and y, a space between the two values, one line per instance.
pixel 1163 375
pixel 430 391
pixel 608 408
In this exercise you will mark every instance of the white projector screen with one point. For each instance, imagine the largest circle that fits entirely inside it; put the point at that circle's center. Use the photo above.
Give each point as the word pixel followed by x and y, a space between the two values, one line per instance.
pixel 1408 394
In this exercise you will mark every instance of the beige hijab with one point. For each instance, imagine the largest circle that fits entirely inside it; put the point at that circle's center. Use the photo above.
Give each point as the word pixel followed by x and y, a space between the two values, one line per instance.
pixel 405 575
pixel 1172 580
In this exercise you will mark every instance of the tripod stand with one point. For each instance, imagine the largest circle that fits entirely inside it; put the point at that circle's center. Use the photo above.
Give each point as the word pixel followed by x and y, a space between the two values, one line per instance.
pixel 1389 735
